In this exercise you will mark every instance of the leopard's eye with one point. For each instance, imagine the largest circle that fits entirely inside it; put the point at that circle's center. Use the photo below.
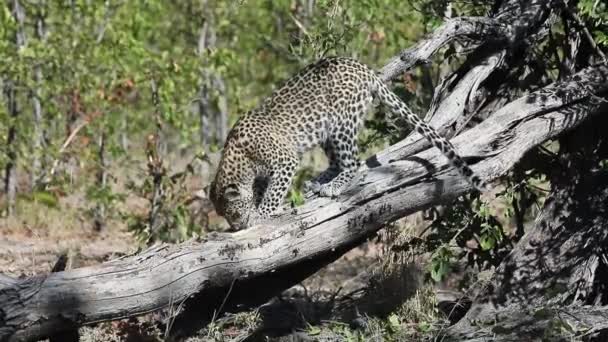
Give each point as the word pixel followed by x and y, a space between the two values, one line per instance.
pixel 235 213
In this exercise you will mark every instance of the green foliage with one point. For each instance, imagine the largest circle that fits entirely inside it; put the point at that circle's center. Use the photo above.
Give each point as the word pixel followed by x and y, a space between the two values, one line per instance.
pixel 417 319
pixel 104 195
pixel 296 196
pixel 491 233
pixel 480 233
pixel 468 229
pixel 97 60
pixel 169 216
pixel 440 263
pixel 46 198
pixel 596 15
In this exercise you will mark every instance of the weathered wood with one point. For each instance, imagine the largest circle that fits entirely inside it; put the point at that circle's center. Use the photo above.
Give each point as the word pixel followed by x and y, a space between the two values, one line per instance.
pixel 513 22
pixel 561 261
pixel 480 28
pixel 538 323
pixel 462 94
pixel 272 257
pixel 6 280
pixel 69 335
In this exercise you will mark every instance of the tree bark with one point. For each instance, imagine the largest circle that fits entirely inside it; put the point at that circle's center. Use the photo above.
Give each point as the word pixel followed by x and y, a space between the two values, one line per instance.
pixel 543 323
pixel 38 136
pixel 223 268
pixel 463 94
pixel 10 170
pixel 101 177
pixel 560 264
pixel 213 104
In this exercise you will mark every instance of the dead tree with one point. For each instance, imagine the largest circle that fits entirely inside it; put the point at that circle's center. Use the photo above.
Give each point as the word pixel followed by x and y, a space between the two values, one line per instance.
pixel 244 269
pixel 559 269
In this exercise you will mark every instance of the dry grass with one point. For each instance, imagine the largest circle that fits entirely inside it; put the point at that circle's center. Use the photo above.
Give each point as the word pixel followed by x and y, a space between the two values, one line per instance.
pixel 31 240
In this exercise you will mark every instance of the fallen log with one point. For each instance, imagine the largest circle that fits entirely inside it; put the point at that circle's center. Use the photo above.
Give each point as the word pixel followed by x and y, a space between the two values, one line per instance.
pixel 231 271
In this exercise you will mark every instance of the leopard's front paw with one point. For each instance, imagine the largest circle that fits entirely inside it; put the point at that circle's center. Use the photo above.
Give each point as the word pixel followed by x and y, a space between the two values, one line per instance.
pixel 254 219
pixel 328 190
pixel 323 190
pixel 312 185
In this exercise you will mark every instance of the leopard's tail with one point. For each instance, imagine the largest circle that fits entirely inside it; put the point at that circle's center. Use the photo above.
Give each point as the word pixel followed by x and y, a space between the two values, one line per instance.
pixel 398 107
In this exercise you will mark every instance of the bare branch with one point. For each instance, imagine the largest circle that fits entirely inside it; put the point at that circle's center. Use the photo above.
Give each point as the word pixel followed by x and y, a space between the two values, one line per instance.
pixel 474 28
pixel 458 97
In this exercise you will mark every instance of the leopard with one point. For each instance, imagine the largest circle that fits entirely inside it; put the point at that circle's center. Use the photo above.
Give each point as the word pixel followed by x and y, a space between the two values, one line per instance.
pixel 323 105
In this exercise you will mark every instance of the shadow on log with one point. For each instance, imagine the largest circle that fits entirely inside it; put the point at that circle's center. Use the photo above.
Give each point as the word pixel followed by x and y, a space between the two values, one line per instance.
pixel 543 289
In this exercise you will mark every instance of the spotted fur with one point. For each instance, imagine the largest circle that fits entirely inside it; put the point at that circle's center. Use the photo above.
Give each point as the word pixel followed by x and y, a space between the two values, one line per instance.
pixel 322 105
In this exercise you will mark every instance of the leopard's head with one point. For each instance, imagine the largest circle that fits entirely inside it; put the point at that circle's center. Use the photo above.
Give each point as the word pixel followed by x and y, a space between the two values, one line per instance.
pixel 231 192
pixel 235 203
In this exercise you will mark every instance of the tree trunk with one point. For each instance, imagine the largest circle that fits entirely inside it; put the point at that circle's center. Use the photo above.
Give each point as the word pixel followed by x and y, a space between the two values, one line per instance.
pixel 101 176
pixel 10 171
pixel 36 171
pixel 206 40
pixel 156 169
pixel 213 104
pixel 542 323
pixel 221 118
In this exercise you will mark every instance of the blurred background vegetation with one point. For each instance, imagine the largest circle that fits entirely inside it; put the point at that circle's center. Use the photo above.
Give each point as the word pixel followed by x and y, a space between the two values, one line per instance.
pixel 91 88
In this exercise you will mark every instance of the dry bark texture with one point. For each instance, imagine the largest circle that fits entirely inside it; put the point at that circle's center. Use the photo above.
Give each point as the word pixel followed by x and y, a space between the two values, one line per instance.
pixel 559 267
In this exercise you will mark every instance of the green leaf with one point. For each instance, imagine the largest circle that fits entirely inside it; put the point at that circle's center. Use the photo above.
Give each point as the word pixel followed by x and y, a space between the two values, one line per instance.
pixel 296 198
pixel 313 330
pixel 424 326
pixel 394 321
pixel 487 242
pixel 47 198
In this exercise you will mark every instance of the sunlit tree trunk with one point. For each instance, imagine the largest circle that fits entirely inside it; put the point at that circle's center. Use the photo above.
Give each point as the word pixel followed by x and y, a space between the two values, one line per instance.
pixel 212 105
pixel 221 118
pixel 101 182
pixel 39 133
pixel 10 171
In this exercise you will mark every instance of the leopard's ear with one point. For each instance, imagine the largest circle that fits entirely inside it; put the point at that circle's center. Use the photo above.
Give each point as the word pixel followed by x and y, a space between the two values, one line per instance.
pixel 231 192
